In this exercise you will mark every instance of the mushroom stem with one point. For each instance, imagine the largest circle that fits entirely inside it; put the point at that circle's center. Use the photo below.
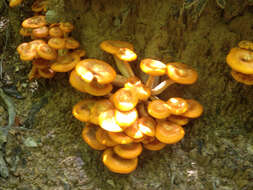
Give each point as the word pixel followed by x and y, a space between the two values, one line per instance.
pixel 161 87
pixel 124 67
pixel 150 82
pixel 119 80
pixel 142 110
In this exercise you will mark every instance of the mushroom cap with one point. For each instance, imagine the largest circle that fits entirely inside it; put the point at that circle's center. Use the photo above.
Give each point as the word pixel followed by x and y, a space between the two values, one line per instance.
pixel 97 89
pixel 46 73
pixel 34 22
pixel 134 131
pixel 40 32
pixel 195 109
pixel 36 43
pixel 241 60
pixel 103 137
pixel 26 51
pixel 25 32
pixel 243 78
pixel 125 99
pixel 46 52
pixel 39 5
pixel 100 107
pixel 107 121
pixel 153 67
pixel 65 63
pixel 14 3
pixel 89 69
pixel 77 82
pixel 245 44
pixel 147 126
pixel 89 136
pixel 155 145
pixel 82 110
pixel 181 73
pixel 168 132
pixel 71 43
pixel 178 119
pixel 113 46
pixel 55 31
pixel 126 118
pixel 126 54
pixel 177 106
pixel 41 63
pixel 158 109
pixel 128 151
pixel 117 164
pixel 56 43
pixel 66 27
pixel 120 137
pixel 79 52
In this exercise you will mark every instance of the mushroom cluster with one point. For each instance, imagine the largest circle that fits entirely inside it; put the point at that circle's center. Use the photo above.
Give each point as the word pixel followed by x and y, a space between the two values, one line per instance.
pixel 51 49
pixel 240 59
pixel 130 116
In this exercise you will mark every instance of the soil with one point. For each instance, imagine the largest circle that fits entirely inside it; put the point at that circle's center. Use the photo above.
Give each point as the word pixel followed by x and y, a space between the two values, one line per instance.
pixel 45 149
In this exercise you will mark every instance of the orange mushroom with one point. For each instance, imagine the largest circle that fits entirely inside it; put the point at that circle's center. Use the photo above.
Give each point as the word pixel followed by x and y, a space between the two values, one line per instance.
pixel 117 164
pixel 128 151
pixel 147 126
pixel 158 109
pixel 177 106
pixel 41 63
pixel 89 136
pixel 65 63
pixel 168 132
pixel 34 22
pixel 46 52
pixel 55 32
pixel 103 137
pixel 40 32
pixel 120 137
pixel 66 27
pixel 178 119
pixel 77 82
pixel 243 78
pixel 181 73
pixel 82 110
pixel 56 43
pixel 26 51
pixel 46 73
pixel 90 69
pixel 126 118
pixel 195 109
pixel 134 131
pixel 39 6
pixel 71 43
pixel 155 145
pixel 25 32
pixel 245 44
pixel 14 3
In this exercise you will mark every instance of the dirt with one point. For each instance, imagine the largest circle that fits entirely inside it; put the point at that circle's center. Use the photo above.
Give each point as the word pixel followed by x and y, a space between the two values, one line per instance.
pixel 45 149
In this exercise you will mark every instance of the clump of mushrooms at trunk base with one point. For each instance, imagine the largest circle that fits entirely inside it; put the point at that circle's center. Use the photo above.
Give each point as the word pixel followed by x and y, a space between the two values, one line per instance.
pixel 51 49
pixel 130 116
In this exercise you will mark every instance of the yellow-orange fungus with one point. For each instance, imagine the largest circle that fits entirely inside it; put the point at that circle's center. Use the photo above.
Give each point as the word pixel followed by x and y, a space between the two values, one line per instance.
pixel 195 109
pixel 39 5
pixel 153 67
pixel 65 63
pixel 147 126
pixel 107 121
pixel 125 99
pixel 117 164
pixel 41 63
pixel 128 151
pixel 93 68
pixel 126 118
pixel 82 110
pixel 134 131
pixel 25 32
pixel 158 109
pixel 168 132
pixel 241 60
pixel 243 78
pixel 178 119
pixel 126 54
pixel 66 26
pixel 181 73
pixel 55 32
pixel 113 46
pixel 34 22
pixel 46 73
pixel 103 137
pixel 77 82
pixel 155 145
pixel 14 3
pixel 46 52
pixel 71 43
pixel 89 136
pixel 245 44
pixel 26 51
pixel 41 32
pixel 120 137
pixel 56 43
pixel 177 106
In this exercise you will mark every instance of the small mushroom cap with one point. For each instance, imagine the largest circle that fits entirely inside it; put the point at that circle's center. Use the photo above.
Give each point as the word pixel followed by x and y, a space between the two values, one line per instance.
pixel 40 32
pixel 117 164
pixel 128 151
pixel 89 69
pixel 14 3
pixel 195 109
pixel 181 73
pixel 147 126
pixel 39 5
pixel 79 52
pixel 71 43
pixel 120 137
pixel 241 60
pixel 158 109
pixel 243 78
pixel 26 51
pixel 55 31
pixel 113 46
pixel 134 131
pixel 34 22
pixel 65 63
pixel 107 121
pixel 46 73
pixel 178 119
pixel 56 43
pixel 177 106
pixel 46 52
pixel 89 136
pixel 97 89
pixel 25 32
pixel 245 44
pixel 36 43
pixel 103 137
pixel 126 54
pixel 100 107
pixel 82 110
pixel 77 82
pixel 126 118
pixel 155 145
pixel 125 99
pixel 153 67
pixel 168 132
pixel 66 27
